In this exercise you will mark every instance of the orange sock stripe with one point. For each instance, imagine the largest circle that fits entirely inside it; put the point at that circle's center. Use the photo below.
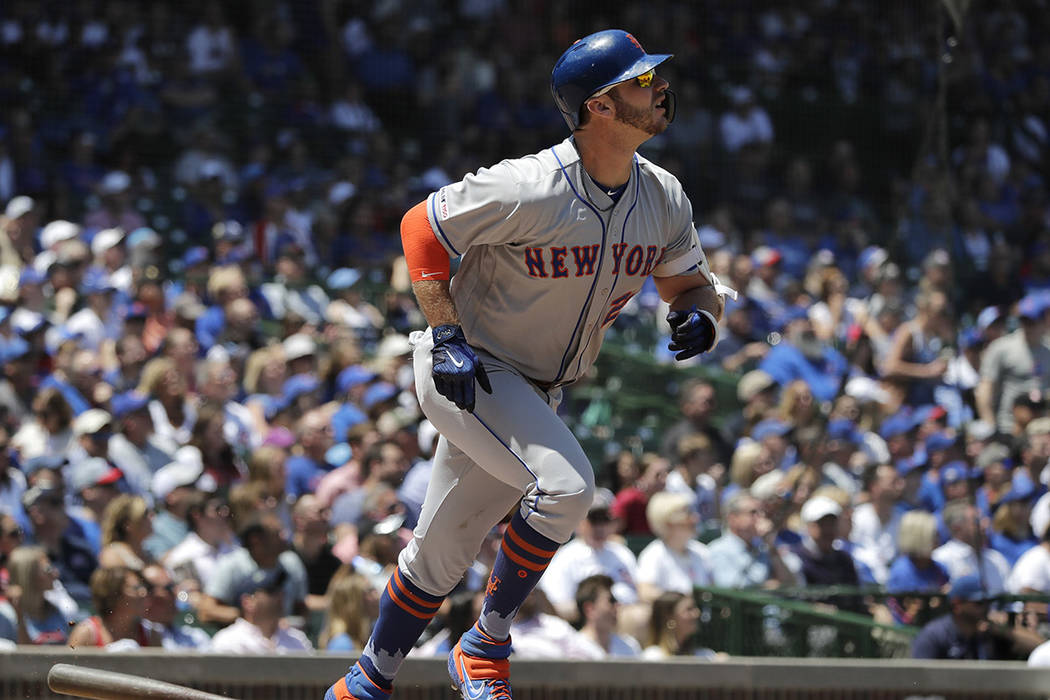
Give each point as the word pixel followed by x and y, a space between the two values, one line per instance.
pixel 488 637
pixel 531 549
pixel 520 561
pixel 369 679
pixel 411 596
pixel 405 606
pixel 342 690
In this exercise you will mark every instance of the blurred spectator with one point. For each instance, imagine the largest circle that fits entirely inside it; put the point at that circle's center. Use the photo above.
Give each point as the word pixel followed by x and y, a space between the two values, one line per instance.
pixel 802 355
pixel 674 561
pixel 538 633
pixel 741 557
pixel 698 473
pixel 672 628
pixel 746 124
pixel 160 612
pixel 966 553
pixel 822 563
pixel 384 465
pixel 264 549
pixel 133 447
pixel 1014 365
pixel 917 357
pixel 310 542
pixel 598 614
pixel 70 552
pixel 1010 534
pixel 353 607
pixel 630 503
pixel 32 580
pixel 258 629
pixel 876 523
pixel 1031 572
pixel 210 538
pixel 698 404
pixel 119 595
pixel 126 523
pixel 968 633
pixel 172 412
pixel 591 552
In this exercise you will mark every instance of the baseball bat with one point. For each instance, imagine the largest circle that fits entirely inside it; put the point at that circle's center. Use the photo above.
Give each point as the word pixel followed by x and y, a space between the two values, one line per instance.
pixel 81 682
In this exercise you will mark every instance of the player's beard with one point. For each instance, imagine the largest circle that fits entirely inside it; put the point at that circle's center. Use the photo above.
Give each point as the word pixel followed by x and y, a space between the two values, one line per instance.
pixel 645 119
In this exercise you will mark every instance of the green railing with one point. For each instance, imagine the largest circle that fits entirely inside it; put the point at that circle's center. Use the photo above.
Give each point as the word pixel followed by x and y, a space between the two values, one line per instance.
pixel 762 623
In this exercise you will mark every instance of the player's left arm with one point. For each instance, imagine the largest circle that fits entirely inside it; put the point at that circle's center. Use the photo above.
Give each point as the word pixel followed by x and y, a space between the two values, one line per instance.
pixel 684 291
pixel 697 302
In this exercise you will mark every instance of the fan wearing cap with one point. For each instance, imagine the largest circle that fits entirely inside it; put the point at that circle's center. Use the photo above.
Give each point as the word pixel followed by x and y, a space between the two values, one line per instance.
pixel 95 483
pixel 257 629
pixel 133 447
pixel 107 247
pixel 114 209
pixel 1011 534
pixel 18 226
pixel 349 307
pixel 1015 364
pixel 966 552
pixel 53 528
pixel 175 487
pixel 822 563
pixel 993 465
pixel 264 548
pixel 969 632
pixel 290 295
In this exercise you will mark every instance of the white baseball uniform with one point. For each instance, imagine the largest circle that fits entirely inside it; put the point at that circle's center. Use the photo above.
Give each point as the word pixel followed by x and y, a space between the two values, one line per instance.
pixel 548 261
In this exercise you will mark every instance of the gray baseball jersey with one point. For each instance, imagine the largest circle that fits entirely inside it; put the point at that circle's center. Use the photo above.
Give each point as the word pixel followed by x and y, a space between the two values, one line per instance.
pixel 548 259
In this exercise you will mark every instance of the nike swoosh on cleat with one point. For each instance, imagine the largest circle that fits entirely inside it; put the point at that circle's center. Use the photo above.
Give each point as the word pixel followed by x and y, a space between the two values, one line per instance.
pixel 471 690
pixel 453 360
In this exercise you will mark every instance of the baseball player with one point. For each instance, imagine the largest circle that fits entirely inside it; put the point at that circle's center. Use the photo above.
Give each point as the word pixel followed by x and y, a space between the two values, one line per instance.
pixel 551 247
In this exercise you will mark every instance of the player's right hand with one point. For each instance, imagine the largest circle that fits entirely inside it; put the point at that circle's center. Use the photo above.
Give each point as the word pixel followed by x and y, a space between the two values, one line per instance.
pixel 456 366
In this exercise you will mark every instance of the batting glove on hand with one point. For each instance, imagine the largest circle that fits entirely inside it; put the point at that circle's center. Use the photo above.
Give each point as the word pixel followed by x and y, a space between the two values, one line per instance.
pixel 456 366
pixel 692 332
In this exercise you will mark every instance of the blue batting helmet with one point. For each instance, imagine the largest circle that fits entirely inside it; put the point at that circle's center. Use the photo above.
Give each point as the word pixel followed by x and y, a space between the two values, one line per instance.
pixel 595 62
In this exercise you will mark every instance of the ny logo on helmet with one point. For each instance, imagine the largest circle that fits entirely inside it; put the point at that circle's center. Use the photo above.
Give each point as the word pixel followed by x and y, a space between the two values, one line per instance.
pixel 630 37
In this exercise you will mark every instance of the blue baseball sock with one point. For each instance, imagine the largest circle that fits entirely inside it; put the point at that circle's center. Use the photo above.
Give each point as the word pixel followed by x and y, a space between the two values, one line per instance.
pixel 523 557
pixel 404 612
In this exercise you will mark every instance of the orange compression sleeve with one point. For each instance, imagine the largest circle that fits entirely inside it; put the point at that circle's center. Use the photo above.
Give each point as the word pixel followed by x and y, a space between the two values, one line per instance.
pixel 427 259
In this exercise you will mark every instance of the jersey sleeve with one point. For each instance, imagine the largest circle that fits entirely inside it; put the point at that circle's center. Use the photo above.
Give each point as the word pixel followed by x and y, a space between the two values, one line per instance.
pixel 683 254
pixel 480 209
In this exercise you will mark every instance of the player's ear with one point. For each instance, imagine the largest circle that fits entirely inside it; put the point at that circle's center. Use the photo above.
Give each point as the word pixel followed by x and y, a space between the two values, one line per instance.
pixel 598 107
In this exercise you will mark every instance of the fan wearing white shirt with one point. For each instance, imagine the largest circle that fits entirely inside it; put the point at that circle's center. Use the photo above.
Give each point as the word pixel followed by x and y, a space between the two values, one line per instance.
pixel 959 554
pixel 674 561
pixel 1031 573
pixel 258 630
pixel 598 612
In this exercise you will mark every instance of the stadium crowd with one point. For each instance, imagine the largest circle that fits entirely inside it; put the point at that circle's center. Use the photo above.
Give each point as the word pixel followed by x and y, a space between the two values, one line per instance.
pixel 206 404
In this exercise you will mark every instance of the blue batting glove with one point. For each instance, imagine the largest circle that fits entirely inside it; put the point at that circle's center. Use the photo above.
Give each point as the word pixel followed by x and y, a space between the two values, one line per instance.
pixel 456 366
pixel 692 332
